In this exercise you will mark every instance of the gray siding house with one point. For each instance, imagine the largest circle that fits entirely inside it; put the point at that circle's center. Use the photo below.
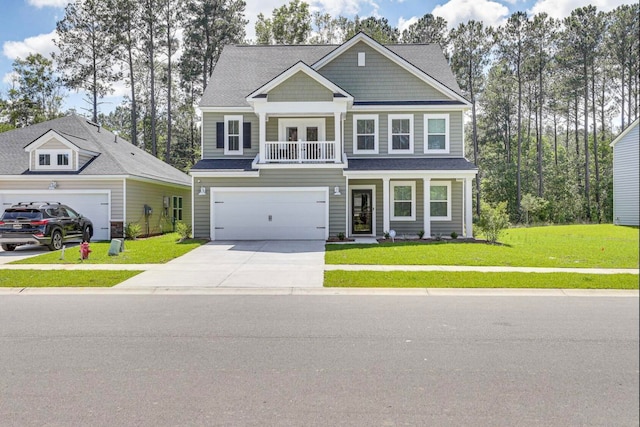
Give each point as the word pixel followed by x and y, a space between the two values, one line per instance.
pixel 79 163
pixel 626 176
pixel 307 142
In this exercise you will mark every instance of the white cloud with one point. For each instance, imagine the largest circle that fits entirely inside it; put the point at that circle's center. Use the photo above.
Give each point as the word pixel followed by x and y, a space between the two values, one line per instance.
pixel 403 24
pixel 48 3
pixel 42 44
pixel 458 11
pixel 563 8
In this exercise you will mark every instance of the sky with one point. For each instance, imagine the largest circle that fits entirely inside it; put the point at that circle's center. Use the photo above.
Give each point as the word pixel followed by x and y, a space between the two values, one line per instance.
pixel 28 26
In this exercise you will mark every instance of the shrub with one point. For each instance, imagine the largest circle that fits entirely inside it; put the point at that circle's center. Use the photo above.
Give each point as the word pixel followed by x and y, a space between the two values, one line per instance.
pixel 454 235
pixel 183 230
pixel 493 220
pixel 531 207
pixel 132 230
pixel 341 236
pixel 420 234
pixel 387 235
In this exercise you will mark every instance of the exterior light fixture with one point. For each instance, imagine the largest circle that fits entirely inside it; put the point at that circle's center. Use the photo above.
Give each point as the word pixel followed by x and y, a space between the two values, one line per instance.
pixel 203 191
pixel 53 185
pixel 336 191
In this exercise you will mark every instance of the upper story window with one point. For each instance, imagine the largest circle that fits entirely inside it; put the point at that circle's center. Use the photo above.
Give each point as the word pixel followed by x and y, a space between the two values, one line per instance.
pixel 400 133
pixel 403 200
pixel 233 134
pixel 53 159
pixel 365 134
pixel 436 133
pixel 440 208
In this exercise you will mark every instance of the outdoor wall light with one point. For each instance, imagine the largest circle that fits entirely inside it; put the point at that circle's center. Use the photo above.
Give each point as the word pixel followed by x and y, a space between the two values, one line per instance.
pixel 336 191
pixel 203 191
pixel 53 185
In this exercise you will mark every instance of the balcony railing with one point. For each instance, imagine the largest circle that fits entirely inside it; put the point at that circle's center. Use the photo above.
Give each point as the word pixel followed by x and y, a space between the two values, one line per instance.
pixel 299 152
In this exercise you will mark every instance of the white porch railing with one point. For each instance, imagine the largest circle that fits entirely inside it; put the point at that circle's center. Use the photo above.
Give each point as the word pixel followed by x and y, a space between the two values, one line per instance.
pixel 299 152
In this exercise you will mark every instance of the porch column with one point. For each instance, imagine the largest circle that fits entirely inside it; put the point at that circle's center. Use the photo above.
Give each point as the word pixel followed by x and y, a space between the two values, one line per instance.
pixel 427 207
pixel 468 208
pixel 337 138
pixel 386 212
pixel 262 135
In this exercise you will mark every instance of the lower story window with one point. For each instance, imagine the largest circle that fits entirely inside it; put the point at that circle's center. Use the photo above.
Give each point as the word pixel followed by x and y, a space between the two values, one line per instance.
pixel 440 201
pixel 403 201
pixel 177 208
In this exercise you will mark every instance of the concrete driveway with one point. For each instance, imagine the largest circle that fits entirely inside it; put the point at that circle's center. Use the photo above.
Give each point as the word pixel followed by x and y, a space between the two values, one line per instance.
pixel 250 264
pixel 21 252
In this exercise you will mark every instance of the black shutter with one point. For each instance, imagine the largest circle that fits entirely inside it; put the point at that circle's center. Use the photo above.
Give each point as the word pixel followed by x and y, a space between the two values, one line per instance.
pixel 220 135
pixel 246 135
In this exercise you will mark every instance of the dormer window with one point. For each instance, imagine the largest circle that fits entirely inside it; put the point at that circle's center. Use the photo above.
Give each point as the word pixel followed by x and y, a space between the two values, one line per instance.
pixel 53 159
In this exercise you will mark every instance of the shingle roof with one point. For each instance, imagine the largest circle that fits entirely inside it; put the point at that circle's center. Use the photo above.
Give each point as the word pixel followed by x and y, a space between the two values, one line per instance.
pixel 117 156
pixel 241 69
pixel 415 163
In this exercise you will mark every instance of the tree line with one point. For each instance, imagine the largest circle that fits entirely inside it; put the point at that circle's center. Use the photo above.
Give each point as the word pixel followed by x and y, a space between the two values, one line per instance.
pixel 544 92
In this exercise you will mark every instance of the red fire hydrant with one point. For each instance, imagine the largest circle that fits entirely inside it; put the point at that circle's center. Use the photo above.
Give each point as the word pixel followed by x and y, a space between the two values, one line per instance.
pixel 84 250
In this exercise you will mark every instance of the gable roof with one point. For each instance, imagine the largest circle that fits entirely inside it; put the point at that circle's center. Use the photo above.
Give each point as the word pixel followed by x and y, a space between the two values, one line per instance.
pixel 625 132
pixel 300 66
pixel 116 156
pixel 241 69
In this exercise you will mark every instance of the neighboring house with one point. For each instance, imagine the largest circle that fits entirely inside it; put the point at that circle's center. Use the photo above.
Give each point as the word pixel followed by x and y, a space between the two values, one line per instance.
pixel 307 142
pixel 626 176
pixel 105 178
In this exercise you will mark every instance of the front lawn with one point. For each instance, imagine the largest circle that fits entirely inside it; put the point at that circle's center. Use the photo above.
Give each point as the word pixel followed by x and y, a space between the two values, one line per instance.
pixel 584 246
pixel 154 250
pixel 436 279
pixel 63 278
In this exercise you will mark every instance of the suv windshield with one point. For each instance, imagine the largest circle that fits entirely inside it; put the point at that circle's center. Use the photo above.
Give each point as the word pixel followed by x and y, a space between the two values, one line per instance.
pixel 21 214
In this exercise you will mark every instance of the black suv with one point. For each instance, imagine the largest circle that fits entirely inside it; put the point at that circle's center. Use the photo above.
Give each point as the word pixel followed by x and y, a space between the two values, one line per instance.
pixel 44 223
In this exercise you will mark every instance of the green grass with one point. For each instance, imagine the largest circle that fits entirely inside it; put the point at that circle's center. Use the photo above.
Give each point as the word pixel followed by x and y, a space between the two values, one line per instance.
pixel 154 250
pixel 436 279
pixel 63 278
pixel 584 246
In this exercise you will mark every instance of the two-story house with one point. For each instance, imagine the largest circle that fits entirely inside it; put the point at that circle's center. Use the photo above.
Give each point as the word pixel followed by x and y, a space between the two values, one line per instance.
pixel 309 141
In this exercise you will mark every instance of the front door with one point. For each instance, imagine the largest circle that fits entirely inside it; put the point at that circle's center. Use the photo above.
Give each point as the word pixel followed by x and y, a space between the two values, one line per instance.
pixel 361 211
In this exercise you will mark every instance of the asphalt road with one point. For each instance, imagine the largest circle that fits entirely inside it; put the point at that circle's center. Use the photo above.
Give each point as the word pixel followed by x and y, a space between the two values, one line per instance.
pixel 315 360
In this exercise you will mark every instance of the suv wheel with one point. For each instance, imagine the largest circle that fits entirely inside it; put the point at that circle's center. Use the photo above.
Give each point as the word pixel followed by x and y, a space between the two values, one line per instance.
pixel 8 247
pixel 56 241
pixel 86 234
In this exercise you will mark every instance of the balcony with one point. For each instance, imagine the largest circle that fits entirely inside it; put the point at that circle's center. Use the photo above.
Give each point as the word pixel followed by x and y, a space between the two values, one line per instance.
pixel 299 152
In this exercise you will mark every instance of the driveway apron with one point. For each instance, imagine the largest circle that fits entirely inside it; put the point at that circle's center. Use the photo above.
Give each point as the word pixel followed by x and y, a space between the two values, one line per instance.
pixel 250 264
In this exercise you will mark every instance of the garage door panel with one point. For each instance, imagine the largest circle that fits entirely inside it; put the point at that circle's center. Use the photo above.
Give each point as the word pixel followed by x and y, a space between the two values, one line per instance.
pixel 94 206
pixel 269 215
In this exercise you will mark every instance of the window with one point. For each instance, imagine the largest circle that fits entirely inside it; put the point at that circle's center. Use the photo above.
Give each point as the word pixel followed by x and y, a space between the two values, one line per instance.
pixel 49 159
pixel 233 134
pixel 440 209
pixel 365 134
pixel 403 200
pixel 177 208
pixel 436 133
pixel 63 159
pixel 400 133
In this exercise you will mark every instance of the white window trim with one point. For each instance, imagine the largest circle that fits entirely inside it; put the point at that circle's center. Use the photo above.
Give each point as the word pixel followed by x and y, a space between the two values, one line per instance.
pixel 240 120
pixel 414 200
pixel 390 137
pixel 373 117
pixel 302 125
pixel 446 133
pixel 441 184
pixel 54 159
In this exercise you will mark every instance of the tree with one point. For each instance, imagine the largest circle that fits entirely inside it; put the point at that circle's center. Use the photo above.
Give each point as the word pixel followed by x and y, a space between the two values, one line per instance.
pixel 36 92
pixel 378 29
pixel 289 24
pixel 472 43
pixel 326 29
pixel 428 29
pixel 209 25
pixel 87 49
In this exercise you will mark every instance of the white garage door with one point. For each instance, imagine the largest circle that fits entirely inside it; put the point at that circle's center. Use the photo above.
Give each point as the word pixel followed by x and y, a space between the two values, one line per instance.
pixel 94 206
pixel 269 214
